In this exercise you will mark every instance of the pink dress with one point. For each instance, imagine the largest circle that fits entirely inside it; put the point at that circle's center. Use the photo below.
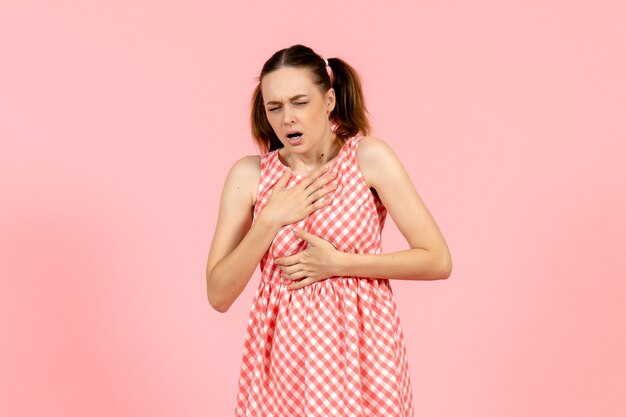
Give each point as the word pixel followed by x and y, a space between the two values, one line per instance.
pixel 334 347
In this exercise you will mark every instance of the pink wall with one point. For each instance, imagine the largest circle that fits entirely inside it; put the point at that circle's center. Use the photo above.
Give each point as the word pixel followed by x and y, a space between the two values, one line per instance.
pixel 119 120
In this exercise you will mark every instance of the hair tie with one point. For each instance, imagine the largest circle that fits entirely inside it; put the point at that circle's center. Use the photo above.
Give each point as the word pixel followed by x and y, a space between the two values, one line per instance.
pixel 329 70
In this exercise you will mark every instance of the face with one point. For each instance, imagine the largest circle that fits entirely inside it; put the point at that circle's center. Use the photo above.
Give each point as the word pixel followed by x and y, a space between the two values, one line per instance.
pixel 296 108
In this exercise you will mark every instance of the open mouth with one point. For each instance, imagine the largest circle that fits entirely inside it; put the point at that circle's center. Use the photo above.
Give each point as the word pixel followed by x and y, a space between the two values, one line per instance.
pixel 294 135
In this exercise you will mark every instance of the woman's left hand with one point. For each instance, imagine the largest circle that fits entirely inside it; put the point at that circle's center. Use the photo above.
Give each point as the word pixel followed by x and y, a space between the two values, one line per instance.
pixel 316 263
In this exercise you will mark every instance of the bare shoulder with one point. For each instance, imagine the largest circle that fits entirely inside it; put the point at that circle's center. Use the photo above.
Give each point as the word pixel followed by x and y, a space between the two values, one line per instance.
pixel 383 171
pixel 375 157
pixel 244 175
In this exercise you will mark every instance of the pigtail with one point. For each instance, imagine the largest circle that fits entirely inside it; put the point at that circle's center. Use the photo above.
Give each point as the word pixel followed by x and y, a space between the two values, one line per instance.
pixel 350 112
pixel 262 131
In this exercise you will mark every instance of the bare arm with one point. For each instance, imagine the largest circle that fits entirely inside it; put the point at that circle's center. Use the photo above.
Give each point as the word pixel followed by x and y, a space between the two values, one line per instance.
pixel 238 244
pixel 410 264
pixel 429 257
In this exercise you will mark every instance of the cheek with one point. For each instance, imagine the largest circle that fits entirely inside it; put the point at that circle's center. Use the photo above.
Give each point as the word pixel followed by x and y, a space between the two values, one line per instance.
pixel 272 119
pixel 317 114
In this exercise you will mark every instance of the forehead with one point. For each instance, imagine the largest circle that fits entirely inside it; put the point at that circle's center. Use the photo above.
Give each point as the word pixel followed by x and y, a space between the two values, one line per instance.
pixel 287 82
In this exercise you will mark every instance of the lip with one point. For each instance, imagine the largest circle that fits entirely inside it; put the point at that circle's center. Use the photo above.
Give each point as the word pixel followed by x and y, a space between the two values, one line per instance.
pixel 295 141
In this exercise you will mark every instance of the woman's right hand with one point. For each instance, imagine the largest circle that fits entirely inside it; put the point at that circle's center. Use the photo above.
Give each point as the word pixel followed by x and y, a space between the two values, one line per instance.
pixel 286 206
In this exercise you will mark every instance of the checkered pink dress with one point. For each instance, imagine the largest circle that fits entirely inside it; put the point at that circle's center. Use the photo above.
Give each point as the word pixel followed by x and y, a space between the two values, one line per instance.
pixel 334 347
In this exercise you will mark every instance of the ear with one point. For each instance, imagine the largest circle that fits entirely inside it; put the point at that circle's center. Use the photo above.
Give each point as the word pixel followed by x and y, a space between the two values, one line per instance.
pixel 330 100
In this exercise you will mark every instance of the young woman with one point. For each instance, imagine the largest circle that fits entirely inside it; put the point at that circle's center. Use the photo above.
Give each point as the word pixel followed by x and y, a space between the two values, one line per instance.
pixel 324 336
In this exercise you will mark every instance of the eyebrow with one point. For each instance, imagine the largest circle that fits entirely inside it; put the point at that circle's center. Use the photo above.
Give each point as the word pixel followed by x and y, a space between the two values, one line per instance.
pixel 292 98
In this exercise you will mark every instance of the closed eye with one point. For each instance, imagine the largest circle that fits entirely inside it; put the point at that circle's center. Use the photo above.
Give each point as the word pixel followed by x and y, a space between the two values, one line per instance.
pixel 297 104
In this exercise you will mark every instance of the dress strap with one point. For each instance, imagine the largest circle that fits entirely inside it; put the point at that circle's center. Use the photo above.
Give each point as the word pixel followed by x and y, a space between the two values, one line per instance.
pixel 352 145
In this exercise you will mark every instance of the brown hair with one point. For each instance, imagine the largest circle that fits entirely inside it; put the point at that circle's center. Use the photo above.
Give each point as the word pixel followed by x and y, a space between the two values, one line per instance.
pixel 349 114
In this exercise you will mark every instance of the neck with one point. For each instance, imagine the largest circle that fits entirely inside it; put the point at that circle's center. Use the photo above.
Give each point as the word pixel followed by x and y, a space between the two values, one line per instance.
pixel 326 150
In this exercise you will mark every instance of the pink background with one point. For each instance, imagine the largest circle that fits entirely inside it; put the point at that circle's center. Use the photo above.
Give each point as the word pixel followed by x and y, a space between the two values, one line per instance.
pixel 120 119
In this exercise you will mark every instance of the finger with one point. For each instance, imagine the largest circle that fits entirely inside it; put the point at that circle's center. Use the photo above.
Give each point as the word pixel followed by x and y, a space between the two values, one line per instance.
pixel 318 205
pixel 325 178
pixel 313 176
pixel 309 237
pixel 288 271
pixel 323 191
pixel 284 179
pixel 322 185
pixel 321 181
pixel 300 284
pixel 296 275
pixel 328 177
pixel 287 261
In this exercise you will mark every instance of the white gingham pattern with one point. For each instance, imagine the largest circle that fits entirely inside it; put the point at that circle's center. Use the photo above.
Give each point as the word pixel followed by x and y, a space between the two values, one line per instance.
pixel 334 347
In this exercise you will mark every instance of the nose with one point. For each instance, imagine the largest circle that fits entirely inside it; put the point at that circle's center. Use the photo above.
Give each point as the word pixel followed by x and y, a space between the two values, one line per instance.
pixel 288 115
